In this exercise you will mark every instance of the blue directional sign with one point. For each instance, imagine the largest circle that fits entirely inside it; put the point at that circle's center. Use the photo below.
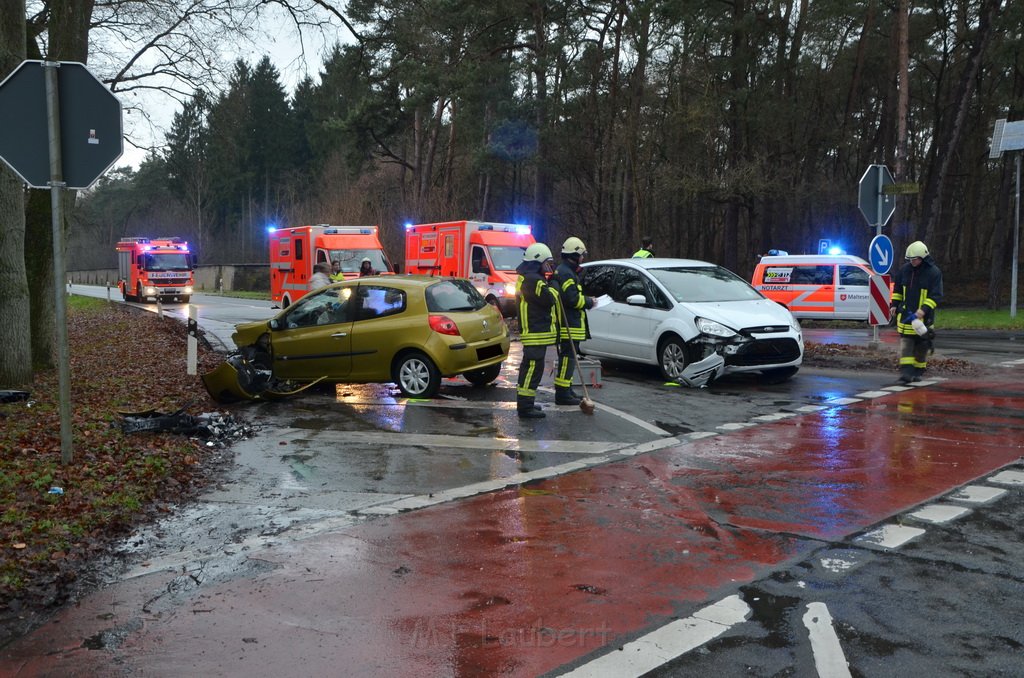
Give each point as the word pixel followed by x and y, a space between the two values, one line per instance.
pixel 881 254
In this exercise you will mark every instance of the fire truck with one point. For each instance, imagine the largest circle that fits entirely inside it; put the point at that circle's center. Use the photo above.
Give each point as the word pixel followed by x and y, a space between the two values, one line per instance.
pixel 295 251
pixel 155 268
pixel 486 253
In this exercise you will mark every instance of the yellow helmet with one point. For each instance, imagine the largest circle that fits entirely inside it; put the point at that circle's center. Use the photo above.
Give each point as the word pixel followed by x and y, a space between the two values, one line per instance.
pixel 573 245
pixel 917 249
pixel 538 251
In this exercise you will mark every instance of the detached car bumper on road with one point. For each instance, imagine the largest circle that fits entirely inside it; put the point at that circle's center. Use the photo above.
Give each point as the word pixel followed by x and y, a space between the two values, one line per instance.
pixel 409 330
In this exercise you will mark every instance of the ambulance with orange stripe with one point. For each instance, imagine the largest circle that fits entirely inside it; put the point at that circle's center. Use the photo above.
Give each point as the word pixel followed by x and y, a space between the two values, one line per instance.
pixel 816 286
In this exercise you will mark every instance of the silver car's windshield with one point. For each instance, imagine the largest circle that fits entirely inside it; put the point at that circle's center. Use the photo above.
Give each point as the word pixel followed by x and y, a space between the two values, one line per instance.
pixel 704 283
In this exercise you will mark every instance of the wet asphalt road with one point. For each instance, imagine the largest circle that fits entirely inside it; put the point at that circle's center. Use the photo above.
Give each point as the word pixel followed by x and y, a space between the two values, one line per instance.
pixel 357 461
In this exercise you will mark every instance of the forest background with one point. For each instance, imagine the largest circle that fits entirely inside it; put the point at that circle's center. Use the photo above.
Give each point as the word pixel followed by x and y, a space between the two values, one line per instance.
pixel 721 128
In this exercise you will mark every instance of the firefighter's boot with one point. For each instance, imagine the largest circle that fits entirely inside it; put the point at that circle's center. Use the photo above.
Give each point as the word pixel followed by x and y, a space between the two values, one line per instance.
pixel 526 409
pixel 918 373
pixel 907 373
pixel 565 396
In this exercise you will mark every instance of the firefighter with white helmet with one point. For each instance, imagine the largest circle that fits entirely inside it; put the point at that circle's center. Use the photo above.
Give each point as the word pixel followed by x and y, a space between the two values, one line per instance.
pixel 917 291
pixel 573 326
pixel 538 325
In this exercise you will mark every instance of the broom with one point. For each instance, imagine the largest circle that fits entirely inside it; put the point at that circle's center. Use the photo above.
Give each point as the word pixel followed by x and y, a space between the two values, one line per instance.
pixel 586 404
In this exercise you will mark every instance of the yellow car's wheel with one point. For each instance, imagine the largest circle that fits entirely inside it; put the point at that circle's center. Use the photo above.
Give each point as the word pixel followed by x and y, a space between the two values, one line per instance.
pixel 416 375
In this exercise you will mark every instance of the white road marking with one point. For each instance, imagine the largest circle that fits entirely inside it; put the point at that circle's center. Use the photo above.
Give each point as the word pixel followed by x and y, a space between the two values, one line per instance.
pixel 977 494
pixel 510 405
pixel 666 643
pixel 873 394
pixel 829 659
pixel 939 513
pixel 889 536
pixel 777 416
pixel 414 502
pixel 736 426
pixel 392 439
pixel 843 401
pixel 1008 478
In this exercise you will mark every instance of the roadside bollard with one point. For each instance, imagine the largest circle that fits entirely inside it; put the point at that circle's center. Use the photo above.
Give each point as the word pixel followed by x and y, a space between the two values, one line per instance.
pixel 192 329
pixel 159 308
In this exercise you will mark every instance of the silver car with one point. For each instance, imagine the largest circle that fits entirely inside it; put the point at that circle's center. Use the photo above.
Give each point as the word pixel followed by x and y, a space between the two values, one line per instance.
pixel 682 313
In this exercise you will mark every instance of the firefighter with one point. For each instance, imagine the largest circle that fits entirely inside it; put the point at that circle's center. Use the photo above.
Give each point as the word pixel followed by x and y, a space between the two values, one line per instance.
pixel 646 250
pixel 538 325
pixel 336 273
pixel 366 268
pixel 917 291
pixel 572 328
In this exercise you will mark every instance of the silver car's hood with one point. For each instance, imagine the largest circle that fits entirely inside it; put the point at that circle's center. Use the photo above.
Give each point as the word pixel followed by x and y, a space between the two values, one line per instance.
pixel 742 314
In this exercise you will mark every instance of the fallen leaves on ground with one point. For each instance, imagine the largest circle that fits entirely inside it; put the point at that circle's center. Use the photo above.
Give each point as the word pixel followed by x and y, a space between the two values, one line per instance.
pixel 55 518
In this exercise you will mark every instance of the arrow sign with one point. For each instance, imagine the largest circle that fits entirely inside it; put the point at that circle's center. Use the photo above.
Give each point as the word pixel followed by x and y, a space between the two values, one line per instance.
pixel 881 254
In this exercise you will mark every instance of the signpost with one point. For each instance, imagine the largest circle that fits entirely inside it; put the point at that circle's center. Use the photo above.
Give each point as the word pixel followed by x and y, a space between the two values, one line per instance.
pixel 823 246
pixel 1009 136
pixel 877 203
pixel 62 129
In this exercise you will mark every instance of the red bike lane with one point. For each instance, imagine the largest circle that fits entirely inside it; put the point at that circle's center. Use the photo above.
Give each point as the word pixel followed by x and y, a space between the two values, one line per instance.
pixel 523 581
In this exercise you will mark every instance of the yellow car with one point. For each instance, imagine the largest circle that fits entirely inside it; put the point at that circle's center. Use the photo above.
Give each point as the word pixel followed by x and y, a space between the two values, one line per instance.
pixel 412 330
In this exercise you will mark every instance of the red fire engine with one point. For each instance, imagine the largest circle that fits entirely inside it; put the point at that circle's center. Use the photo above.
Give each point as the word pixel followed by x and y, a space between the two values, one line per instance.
pixel 157 268
pixel 294 251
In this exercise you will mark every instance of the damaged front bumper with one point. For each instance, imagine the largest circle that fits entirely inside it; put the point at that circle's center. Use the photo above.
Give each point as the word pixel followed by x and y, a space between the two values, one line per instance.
pixel 237 379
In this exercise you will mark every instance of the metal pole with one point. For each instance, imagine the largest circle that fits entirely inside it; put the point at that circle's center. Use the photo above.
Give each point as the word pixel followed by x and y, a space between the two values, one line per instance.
pixel 878 232
pixel 1016 244
pixel 57 221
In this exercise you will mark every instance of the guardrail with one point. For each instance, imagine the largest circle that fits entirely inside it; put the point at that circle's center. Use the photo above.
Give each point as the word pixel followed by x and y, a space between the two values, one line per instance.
pixel 208 278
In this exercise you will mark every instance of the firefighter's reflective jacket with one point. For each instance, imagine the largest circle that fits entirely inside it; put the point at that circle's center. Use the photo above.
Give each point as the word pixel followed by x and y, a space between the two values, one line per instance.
pixel 574 303
pixel 538 320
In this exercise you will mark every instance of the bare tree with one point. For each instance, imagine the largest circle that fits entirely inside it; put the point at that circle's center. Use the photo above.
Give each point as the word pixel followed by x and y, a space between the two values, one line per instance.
pixel 15 359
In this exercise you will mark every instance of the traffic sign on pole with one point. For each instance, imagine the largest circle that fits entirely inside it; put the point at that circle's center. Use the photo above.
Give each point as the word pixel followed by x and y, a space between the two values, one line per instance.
pixel 874 202
pixel 90 125
pixel 881 254
pixel 823 246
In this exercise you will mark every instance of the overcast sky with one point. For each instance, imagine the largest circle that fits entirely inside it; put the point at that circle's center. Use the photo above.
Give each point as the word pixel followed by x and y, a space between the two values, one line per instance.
pixel 276 38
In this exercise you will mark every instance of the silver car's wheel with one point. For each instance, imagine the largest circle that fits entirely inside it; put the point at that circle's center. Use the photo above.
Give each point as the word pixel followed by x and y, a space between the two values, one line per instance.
pixel 417 376
pixel 483 376
pixel 672 358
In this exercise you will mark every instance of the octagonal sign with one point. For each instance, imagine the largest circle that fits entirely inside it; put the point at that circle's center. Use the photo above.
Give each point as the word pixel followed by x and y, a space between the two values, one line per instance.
pixel 90 125
pixel 872 200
